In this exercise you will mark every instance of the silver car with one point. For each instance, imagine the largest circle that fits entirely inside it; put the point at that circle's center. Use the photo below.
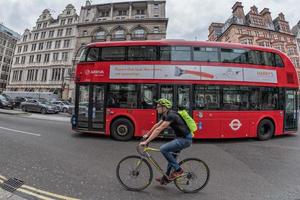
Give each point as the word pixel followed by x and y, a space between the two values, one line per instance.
pixel 64 106
pixel 37 105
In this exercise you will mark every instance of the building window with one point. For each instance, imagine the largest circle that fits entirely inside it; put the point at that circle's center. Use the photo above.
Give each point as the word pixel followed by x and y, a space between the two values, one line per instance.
pixel 44 75
pixel 122 13
pixel 247 41
pixel 84 33
pixel 65 56
pixel 46 58
pixel 55 56
pixel 139 34
pixel 70 20
pixel 31 58
pixel 19 49
pixel 68 31
pixel 49 44
pixel 17 61
pixel 66 43
pixel 140 12
pixel 100 35
pixel 44 24
pixel 38 58
pixel 59 32
pixel 36 36
pixel 23 59
pixel 104 14
pixel 57 44
pixel 25 48
pixel 56 74
pixel 51 34
pixel 119 35
pixel 43 34
pixel 33 47
pixel 41 45
pixel 62 22
pixel 39 26
pixel 24 38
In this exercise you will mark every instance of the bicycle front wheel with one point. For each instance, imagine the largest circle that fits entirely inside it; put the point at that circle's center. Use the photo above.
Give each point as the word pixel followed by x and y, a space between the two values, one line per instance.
pixel 195 176
pixel 134 173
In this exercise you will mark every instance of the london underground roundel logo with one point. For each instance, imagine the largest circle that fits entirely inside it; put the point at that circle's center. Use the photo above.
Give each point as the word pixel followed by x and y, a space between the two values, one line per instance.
pixel 235 124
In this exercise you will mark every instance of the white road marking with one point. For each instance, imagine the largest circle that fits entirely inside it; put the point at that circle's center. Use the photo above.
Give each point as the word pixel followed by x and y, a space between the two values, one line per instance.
pixel 18 131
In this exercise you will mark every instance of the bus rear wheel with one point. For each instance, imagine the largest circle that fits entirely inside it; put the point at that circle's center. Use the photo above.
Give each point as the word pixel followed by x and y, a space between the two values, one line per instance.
pixel 122 129
pixel 265 129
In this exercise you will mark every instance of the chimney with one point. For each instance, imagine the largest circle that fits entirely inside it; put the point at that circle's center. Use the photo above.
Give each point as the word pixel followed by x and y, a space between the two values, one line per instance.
pixel 238 10
pixel 88 3
pixel 266 14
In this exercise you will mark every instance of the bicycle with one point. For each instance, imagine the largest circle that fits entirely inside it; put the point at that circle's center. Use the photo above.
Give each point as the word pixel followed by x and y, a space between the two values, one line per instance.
pixel 138 169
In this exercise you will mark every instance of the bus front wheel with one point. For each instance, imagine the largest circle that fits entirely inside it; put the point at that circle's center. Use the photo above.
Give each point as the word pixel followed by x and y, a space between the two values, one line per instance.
pixel 265 129
pixel 122 129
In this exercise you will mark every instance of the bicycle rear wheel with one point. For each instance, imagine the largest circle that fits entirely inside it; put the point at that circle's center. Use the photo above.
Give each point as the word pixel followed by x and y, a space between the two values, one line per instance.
pixel 134 173
pixel 195 176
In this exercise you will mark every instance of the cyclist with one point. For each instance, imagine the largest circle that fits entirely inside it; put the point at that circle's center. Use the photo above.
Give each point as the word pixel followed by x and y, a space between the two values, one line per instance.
pixel 182 140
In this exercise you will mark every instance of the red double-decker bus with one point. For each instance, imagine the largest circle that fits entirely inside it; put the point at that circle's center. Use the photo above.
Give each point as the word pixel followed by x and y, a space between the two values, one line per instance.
pixel 231 90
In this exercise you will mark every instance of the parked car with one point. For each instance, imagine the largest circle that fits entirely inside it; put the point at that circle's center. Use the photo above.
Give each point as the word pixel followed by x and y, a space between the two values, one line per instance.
pixel 6 102
pixel 19 100
pixel 64 106
pixel 39 105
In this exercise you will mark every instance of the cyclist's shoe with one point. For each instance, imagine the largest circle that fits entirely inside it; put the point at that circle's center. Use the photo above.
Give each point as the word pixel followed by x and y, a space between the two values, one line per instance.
pixel 163 180
pixel 175 174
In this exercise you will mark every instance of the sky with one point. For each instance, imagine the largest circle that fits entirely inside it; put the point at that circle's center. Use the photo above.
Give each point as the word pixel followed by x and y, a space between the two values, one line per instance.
pixel 188 19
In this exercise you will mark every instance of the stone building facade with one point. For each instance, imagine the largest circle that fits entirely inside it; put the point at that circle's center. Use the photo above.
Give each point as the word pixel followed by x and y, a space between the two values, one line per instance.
pixel 257 28
pixel 8 41
pixel 43 56
pixel 137 20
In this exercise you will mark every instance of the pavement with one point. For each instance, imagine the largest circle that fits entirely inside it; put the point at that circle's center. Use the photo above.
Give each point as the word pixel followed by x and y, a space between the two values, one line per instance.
pixel 7 195
pixel 62 117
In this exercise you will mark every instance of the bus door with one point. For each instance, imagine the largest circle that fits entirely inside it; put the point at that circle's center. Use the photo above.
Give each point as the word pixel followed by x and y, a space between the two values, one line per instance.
pixel 90 108
pixel 180 95
pixel 291 114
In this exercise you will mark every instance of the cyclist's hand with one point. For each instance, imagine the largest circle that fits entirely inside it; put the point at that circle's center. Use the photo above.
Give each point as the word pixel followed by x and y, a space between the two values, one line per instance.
pixel 145 136
pixel 143 144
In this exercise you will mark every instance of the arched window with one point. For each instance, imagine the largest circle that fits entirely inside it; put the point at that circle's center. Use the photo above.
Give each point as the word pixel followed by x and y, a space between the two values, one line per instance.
pixel 139 33
pixel 119 34
pixel 100 35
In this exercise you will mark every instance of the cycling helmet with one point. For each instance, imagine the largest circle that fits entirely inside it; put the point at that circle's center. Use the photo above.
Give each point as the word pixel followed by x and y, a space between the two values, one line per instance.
pixel 165 102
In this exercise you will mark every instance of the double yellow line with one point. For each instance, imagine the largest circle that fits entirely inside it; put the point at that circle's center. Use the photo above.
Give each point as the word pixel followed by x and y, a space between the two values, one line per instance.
pixel 44 195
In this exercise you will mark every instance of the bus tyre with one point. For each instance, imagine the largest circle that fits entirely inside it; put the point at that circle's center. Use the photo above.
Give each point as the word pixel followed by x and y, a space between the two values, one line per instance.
pixel 122 129
pixel 265 129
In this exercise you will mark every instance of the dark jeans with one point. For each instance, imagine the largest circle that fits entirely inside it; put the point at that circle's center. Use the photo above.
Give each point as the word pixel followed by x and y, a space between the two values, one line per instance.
pixel 175 146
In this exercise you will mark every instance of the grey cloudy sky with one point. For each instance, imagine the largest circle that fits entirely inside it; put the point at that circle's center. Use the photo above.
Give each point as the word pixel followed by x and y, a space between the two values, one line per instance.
pixel 188 19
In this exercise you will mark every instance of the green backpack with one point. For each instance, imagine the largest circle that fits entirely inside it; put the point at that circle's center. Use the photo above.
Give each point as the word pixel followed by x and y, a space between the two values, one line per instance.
pixel 188 120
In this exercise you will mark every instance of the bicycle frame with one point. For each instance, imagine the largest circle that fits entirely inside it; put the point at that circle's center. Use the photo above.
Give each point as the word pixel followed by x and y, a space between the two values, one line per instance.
pixel 149 158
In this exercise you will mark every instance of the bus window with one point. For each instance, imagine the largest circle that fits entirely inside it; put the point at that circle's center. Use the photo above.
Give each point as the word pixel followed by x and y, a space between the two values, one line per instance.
pixel 278 61
pixel 183 97
pixel 255 57
pixel 268 58
pixel 235 98
pixel 122 96
pixel 142 53
pixel 148 95
pixel 207 97
pixel 234 56
pixel 93 55
pixel 206 54
pixel 269 98
pixel 113 53
pixel 83 55
pixel 175 53
pixel 166 91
